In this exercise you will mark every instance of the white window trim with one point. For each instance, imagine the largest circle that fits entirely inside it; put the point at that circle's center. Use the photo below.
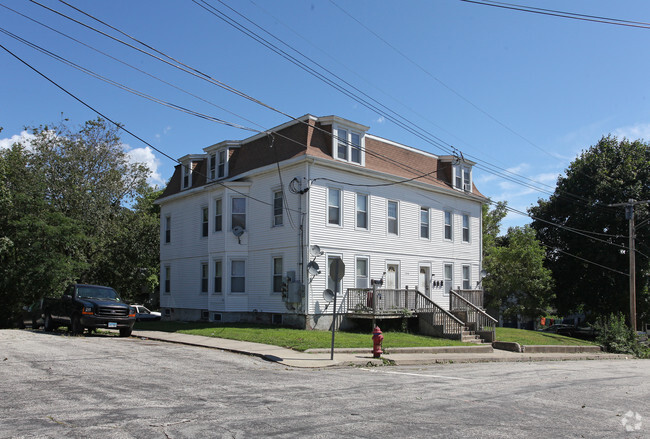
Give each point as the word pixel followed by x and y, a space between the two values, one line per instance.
pixel 428 237
pixel 230 261
pixel 273 274
pixel 356 211
pixel 213 275
pixel 212 172
pixel 186 170
pixel 469 228
pixel 205 264
pixel 167 270
pixel 469 276
pixel 226 158
pixel 460 171
pixel 451 225
pixel 327 202
pixel 205 208
pixel 230 211
pixel 214 216
pixel 273 215
pixel 388 232
pixel 445 291
pixel 168 228
pixel 349 131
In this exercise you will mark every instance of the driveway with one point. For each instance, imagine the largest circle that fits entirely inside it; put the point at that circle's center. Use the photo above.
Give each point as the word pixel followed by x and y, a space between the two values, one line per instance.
pixel 54 385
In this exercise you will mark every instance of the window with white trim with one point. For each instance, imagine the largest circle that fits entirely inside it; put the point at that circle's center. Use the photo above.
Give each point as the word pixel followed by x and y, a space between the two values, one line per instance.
pixel 348 146
pixel 168 279
pixel 213 167
pixel 238 212
pixel 204 221
pixel 277 275
pixel 237 276
pixel 362 211
pixel 334 206
pixel 218 215
pixel 465 228
pixel 448 225
pixel 463 178
pixel 221 164
pixel 392 218
pixel 466 277
pixel 277 208
pixel 168 229
pixel 204 277
pixel 186 175
pixel 424 222
pixel 449 278
pixel 362 280
pixel 218 277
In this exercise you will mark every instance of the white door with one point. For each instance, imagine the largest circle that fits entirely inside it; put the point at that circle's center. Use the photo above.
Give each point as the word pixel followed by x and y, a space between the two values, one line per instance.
pixel 392 276
pixel 423 281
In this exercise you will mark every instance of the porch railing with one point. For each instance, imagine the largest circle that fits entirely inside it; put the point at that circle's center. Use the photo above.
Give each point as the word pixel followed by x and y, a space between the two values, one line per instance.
pixel 360 300
pixel 484 322
pixel 474 297
pixel 434 315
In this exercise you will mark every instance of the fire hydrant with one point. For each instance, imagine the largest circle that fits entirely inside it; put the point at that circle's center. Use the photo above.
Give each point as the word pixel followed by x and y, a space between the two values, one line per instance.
pixel 377 338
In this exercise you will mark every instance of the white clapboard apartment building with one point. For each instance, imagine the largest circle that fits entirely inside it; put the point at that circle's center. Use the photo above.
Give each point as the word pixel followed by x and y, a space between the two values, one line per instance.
pixel 240 223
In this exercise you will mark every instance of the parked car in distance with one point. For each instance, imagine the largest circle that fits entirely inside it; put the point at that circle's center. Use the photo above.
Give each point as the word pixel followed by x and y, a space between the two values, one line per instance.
pixel 142 314
pixel 581 332
pixel 31 315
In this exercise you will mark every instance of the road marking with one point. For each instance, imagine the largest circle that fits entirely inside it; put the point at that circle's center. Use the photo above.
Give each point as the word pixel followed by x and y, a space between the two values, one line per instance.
pixel 416 374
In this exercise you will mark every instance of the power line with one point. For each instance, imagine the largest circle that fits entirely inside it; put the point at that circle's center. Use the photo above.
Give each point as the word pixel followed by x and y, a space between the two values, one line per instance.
pixel 561 14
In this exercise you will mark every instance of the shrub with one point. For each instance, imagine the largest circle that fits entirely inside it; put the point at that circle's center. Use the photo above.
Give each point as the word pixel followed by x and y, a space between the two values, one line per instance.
pixel 615 336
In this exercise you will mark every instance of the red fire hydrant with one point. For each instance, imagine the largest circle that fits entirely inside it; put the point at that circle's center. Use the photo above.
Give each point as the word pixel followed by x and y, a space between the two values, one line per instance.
pixel 377 338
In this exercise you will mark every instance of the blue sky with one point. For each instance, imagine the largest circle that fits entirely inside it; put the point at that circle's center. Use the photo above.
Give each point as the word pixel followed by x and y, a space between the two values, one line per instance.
pixel 511 90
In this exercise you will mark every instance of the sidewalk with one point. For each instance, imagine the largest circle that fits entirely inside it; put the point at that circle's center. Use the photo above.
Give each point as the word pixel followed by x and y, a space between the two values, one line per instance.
pixel 318 358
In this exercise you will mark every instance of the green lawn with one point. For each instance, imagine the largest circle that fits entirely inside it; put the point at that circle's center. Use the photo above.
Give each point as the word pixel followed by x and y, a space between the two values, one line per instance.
pixel 525 337
pixel 297 339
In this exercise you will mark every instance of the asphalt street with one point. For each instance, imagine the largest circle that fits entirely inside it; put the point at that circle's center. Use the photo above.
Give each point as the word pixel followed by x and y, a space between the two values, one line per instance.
pixel 55 385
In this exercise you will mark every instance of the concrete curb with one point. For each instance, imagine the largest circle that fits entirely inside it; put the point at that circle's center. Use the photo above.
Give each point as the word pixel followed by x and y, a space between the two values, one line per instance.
pixel 479 349
pixel 561 349
pixel 510 346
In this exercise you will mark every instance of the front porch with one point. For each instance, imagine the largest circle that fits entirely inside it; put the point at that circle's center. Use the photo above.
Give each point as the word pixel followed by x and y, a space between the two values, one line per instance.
pixel 465 320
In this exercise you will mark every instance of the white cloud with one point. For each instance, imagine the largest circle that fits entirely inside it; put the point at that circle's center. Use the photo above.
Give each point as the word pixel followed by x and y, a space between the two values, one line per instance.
pixel 381 119
pixel 24 137
pixel 634 132
pixel 146 156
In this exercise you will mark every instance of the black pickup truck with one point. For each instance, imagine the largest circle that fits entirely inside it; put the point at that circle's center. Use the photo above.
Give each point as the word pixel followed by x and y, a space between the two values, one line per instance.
pixel 89 306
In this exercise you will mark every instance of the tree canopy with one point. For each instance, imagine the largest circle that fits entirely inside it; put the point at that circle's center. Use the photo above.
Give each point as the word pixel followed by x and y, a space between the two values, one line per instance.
pixel 587 239
pixel 67 214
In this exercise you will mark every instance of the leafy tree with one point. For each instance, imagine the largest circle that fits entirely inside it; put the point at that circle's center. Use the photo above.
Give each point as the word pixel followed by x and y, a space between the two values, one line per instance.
pixel 64 216
pixel 517 281
pixel 610 172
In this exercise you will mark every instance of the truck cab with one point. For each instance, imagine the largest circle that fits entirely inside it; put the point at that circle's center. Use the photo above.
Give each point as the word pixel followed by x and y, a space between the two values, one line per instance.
pixel 89 306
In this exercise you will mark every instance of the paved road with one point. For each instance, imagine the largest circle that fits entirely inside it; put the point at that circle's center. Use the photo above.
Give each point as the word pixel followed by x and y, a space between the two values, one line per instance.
pixel 54 385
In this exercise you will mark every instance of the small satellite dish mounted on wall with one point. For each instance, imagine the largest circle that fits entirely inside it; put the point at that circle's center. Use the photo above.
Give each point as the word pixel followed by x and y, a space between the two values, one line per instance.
pixel 238 231
pixel 315 251
pixel 313 268
pixel 328 296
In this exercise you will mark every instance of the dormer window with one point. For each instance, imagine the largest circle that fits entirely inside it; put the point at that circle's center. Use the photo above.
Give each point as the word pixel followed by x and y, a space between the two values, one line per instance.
pixel 218 164
pixel 463 178
pixel 221 166
pixel 348 145
pixel 186 175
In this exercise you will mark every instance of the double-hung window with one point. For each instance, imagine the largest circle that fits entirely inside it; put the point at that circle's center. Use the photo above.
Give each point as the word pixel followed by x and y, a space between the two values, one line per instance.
pixel 168 279
pixel 334 206
pixel 204 221
pixel 424 222
pixel 186 175
pixel 213 166
pixel 463 178
pixel 448 227
pixel 277 208
pixel 237 276
pixel 238 212
pixel 466 279
pixel 204 277
pixel 218 215
pixel 392 212
pixel 348 146
pixel 168 229
pixel 465 228
pixel 218 277
pixel 362 211
pixel 221 165
pixel 277 275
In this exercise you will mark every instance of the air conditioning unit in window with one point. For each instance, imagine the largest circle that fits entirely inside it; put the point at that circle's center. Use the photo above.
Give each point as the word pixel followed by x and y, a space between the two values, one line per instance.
pixel 467 187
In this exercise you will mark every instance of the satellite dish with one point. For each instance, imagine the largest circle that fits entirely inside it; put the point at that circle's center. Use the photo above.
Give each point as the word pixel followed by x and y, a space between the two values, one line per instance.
pixel 238 231
pixel 483 274
pixel 328 295
pixel 313 268
pixel 315 250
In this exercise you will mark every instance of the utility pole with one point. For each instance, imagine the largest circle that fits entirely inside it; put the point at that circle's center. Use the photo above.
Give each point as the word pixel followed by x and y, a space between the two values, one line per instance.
pixel 629 215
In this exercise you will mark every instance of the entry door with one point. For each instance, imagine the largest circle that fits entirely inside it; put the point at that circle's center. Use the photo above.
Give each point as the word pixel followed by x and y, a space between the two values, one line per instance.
pixel 392 276
pixel 423 281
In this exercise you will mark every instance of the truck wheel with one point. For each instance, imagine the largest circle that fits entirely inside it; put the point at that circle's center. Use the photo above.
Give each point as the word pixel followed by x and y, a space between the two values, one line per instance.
pixel 75 326
pixel 48 323
pixel 125 332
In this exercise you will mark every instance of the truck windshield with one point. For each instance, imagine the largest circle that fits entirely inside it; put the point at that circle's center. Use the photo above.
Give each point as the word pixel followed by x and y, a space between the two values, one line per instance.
pixel 97 293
